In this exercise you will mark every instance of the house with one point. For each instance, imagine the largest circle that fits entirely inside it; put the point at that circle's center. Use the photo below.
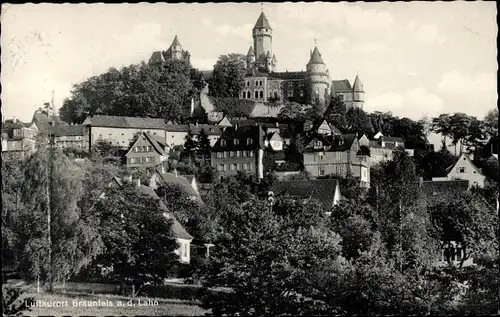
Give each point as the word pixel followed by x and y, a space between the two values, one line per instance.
pixel 187 182
pixel 247 149
pixel 213 131
pixel 120 131
pixel 175 134
pixel 224 122
pixel 182 237
pixel 382 147
pixel 18 136
pixel 147 151
pixel 466 170
pixel 327 191
pixel 434 193
pixel 337 155
pixel 63 135
pixel 320 127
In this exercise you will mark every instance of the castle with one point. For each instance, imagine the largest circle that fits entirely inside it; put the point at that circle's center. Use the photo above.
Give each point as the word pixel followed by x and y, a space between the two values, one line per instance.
pixel 263 84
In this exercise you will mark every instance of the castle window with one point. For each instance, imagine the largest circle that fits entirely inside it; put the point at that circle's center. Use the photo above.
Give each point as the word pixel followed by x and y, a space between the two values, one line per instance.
pixel 249 141
pixel 290 93
pixel 248 83
pixel 236 142
pixel 261 94
pixel 256 94
pixel 222 142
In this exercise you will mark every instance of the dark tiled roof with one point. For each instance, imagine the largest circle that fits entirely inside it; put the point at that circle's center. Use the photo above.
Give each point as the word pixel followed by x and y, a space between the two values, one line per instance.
pixel 341 86
pixel 442 191
pixel 391 139
pixel 250 52
pixel 156 57
pixel 256 73
pixel 233 107
pixel 41 117
pixel 275 155
pixel 157 146
pixel 289 75
pixel 333 143
pixel 177 127
pixel 321 189
pixel 255 133
pixel 61 129
pixel 262 22
pixel 126 122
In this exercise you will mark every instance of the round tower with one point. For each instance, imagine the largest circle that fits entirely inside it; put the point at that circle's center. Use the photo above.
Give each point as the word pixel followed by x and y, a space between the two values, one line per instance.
pixel 358 93
pixel 318 76
pixel 250 57
pixel 262 36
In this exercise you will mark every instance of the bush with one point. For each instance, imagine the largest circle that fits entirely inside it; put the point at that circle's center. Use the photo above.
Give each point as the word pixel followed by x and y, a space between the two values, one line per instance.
pixel 182 292
pixel 11 306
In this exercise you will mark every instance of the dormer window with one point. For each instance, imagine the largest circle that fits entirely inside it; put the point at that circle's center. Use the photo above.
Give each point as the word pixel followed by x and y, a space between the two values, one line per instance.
pixel 319 143
pixel 341 142
pixel 249 141
pixel 236 142
pixel 212 129
pixel 461 169
pixel 222 142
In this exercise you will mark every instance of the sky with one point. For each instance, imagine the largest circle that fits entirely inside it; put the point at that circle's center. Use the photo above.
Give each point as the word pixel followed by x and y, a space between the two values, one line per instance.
pixel 414 58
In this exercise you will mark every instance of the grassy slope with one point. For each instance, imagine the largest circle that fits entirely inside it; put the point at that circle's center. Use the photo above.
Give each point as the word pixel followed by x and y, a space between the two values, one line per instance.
pixel 165 307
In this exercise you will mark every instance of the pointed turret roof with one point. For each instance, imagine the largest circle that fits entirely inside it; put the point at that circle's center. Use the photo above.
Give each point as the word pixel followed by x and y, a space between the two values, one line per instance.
pixel 274 58
pixel 176 41
pixel 316 57
pixel 268 55
pixel 262 22
pixel 358 85
pixel 250 51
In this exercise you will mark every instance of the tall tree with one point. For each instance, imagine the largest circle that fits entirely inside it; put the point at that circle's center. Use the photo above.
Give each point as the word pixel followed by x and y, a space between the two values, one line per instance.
pixel 491 122
pixel 228 76
pixel 139 243
pixel 336 113
pixel 204 148
pixel 358 122
pixel 56 238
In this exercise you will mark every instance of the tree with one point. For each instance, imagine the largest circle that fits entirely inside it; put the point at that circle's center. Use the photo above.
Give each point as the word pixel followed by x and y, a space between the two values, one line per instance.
pixel 491 122
pixel 435 164
pixel 138 239
pixel 228 76
pixel 296 112
pixel 136 90
pixel 204 148
pixel 442 125
pixel 56 238
pixel 358 122
pixel 11 303
pixel 336 113
pixel 190 148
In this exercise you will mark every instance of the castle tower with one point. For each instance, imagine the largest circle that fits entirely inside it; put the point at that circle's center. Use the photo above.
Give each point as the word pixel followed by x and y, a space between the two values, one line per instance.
pixel 358 93
pixel 175 49
pixel 250 57
pixel 318 76
pixel 263 41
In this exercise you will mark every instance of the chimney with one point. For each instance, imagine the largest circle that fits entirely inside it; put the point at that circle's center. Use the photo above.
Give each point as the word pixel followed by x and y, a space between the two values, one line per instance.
pixel 138 182
pixel 420 181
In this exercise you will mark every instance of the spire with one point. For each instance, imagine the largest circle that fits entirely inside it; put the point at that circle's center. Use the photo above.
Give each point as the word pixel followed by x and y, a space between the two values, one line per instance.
pixel 250 52
pixel 268 55
pixel 316 57
pixel 262 22
pixel 358 85
pixel 176 41
pixel 274 58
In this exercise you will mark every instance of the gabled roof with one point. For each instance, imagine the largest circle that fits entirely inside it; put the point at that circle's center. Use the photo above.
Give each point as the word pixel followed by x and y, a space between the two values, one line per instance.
pixel 125 122
pixel 210 129
pixel 341 86
pixel 262 22
pixel 159 148
pixel 242 134
pixel 62 129
pixel 316 57
pixel 156 57
pixel 470 162
pixel 331 143
pixel 176 127
pixel 439 191
pixel 252 72
pixel 322 189
pixel 391 139
pixel 179 180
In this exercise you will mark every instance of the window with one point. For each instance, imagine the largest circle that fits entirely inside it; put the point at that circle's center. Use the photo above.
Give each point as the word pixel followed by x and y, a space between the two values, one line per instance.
pixel 185 249
pixel 239 167
pixel 123 133
pixel 461 169
pixel 290 92
pixel 236 142
pixel 136 149
pixel 150 159
pixel 233 167
pixel 249 94
pixel 226 154
pixel 247 166
pixel 143 159
pixel 249 141
pixel 233 154
pixel 261 94
pixel 220 167
pixel 238 153
pixel 150 148
pixel 212 129
pixel 222 142
pixel 321 157
pixel 256 94
pixel 321 171
pixel 318 143
pixel 248 83
pixel 250 153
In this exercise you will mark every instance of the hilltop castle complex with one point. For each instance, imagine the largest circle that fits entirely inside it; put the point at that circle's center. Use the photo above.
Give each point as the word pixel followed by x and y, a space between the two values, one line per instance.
pixel 263 84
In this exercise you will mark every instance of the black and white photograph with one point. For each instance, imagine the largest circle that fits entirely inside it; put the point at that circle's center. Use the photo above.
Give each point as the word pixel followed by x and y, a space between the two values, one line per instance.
pixel 250 159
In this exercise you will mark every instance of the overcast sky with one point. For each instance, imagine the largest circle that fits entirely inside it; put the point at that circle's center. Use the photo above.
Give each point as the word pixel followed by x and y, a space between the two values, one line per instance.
pixel 414 58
